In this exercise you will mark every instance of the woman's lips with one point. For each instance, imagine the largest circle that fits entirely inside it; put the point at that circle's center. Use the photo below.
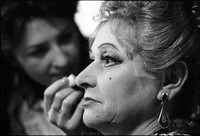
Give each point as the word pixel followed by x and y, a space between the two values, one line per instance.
pixel 88 101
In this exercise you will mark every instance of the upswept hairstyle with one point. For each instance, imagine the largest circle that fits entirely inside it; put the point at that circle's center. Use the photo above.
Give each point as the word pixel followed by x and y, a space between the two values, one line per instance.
pixel 162 33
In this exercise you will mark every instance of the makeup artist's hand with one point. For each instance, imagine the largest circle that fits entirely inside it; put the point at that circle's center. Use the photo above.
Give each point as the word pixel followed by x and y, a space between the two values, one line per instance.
pixel 62 106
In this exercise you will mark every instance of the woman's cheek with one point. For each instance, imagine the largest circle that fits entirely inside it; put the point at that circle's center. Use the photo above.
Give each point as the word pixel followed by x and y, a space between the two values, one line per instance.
pixel 111 94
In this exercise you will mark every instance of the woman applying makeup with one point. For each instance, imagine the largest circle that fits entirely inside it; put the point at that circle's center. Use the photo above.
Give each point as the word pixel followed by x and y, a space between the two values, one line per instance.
pixel 40 43
pixel 144 74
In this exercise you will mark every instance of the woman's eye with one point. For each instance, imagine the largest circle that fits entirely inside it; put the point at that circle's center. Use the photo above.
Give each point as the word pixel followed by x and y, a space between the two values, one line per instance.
pixel 109 61
pixel 38 52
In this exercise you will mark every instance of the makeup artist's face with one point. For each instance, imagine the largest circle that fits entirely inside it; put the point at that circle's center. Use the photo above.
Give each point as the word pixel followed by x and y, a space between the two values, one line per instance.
pixel 118 92
pixel 49 49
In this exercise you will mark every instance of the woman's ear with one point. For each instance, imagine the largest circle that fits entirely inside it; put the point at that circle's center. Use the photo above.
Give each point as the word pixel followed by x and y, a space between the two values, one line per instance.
pixel 174 80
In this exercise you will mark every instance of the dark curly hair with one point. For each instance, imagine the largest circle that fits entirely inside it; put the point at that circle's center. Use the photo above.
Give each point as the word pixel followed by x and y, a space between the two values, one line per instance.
pixel 165 33
pixel 14 16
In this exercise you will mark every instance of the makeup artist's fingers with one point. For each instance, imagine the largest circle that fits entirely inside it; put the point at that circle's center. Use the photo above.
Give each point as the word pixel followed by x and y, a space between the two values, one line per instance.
pixel 75 125
pixel 70 107
pixel 69 99
pixel 70 103
pixel 60 96
pixel 51 90
pixel 76 118
pixel 53 115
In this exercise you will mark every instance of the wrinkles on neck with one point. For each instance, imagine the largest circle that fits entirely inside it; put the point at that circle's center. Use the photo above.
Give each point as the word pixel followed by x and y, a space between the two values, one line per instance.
pixel 148 127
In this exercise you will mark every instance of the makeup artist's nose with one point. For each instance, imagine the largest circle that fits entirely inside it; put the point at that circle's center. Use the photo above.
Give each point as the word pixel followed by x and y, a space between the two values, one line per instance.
pixel 60 58
pixel 86 78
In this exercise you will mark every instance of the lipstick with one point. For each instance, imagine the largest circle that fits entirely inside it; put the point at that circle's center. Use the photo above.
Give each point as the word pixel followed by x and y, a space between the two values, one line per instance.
pixel 88 101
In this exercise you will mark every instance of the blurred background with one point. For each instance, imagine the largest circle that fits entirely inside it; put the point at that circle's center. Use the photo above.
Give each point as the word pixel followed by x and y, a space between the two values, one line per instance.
pixel 84 16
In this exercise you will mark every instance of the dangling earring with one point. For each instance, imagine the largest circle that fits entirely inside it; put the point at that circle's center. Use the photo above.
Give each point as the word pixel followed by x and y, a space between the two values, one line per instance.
pixel 163 117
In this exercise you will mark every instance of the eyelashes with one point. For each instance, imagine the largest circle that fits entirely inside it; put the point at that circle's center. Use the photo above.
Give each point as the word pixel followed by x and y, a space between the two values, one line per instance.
pixel 108 60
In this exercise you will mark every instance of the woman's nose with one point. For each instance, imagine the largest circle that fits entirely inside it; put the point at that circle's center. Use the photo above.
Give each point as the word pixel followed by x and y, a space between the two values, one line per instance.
pixel 87 78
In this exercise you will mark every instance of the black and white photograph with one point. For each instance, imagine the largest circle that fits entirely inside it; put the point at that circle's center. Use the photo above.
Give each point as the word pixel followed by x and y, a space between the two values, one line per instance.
pixel 95 68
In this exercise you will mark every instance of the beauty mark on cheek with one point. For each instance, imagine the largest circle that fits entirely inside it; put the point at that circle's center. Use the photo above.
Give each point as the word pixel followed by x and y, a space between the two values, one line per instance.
pixel 110 78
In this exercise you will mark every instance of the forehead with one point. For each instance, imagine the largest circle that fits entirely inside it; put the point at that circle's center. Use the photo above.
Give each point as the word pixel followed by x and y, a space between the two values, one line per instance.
pixel 104 35
pixel 40 30
pixel 120 34
pixel 37 24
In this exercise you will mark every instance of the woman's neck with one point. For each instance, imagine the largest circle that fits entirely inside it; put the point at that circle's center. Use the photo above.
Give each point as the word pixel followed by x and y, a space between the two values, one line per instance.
pixel 147 128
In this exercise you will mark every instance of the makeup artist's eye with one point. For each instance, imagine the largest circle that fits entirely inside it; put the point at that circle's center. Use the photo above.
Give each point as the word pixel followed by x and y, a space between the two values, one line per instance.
pixel 39 51
pixel 109 61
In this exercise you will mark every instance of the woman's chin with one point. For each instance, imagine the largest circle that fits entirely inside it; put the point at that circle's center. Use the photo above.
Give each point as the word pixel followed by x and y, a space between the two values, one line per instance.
pixel 92 119
pixel 95 119
pixel 89 119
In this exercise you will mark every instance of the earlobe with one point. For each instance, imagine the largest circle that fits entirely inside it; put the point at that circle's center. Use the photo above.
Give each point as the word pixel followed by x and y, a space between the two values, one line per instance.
pixel 174 80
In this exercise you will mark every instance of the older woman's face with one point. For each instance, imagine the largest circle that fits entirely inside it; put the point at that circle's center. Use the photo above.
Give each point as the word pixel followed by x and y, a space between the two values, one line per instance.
pixel 118 92
pixel 48 49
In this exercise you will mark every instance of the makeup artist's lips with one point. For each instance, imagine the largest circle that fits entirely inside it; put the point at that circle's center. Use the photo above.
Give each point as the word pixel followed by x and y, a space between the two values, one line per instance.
pixel 56 77
pixel 88 101
pixel 59 74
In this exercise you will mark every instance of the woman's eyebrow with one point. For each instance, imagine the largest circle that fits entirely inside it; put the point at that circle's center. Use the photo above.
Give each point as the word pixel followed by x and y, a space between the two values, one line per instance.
pixel 66 30
pixel 109 44
pixel 37 45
